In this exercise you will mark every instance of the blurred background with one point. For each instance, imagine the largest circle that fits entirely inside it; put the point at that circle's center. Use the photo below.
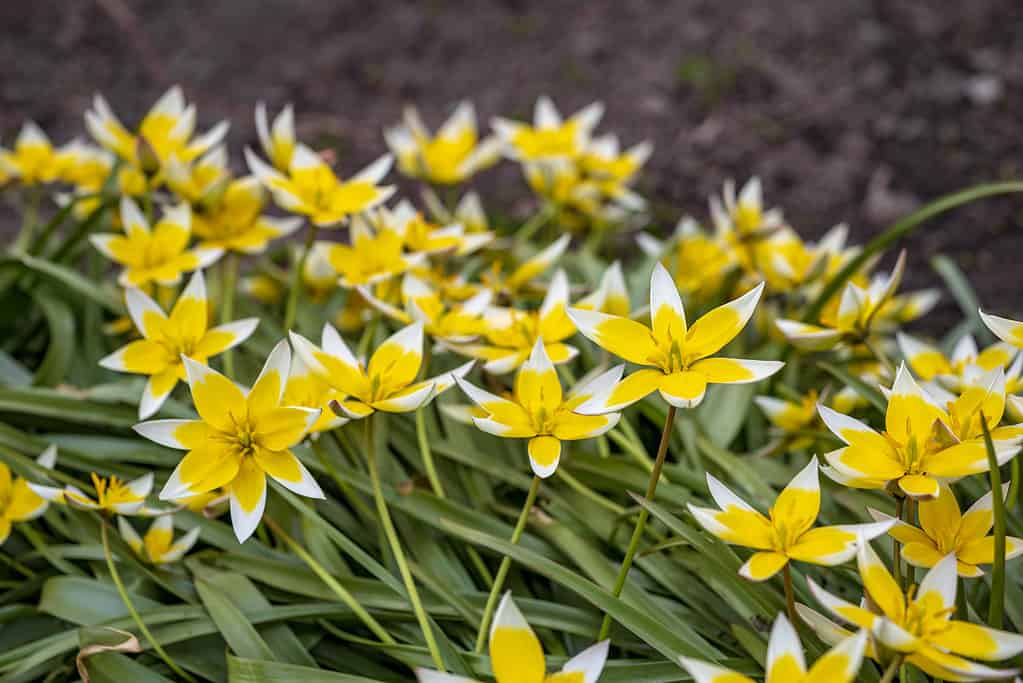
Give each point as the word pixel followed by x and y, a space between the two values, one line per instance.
pixel 849 110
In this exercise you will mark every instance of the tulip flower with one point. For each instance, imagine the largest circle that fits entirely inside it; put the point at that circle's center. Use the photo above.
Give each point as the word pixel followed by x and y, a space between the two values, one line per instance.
pixel 516 655
pixel 790 416
pixel 945 529
pixel 785 661
pixel 157 255
pixel 549 137
pixel 698 261
pixel 451 156
pixel 455 324
pixel 930 363
pixel 676 357
pixel 240 438
pixel 235 222
pixel 918 625
pixel 278 142
pixel 200 181
pixel 922 442
pixel 371 257
pixel 113 495
pixel 308 388
pixel 158 545
pixel 166 339
pixel 508 285
pixel 743 215
pixel 18 501
pixel 611 296
pixel 33 161
pixel 539 411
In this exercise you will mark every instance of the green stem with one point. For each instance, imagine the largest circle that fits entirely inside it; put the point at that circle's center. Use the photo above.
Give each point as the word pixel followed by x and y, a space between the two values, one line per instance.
pixel 296 278
pixel 893 667
pixel 427 454
pixel 539 219
pixel 637 533
pixel 123 592
pixel 29 219
pixel 790 597
pixel 399 554
pixel 228 285
pixel 880 355
pixel 1013 496
pixel 342 593
pixel 896 545
pixel 962 607
pixel 502 571
pixel 996 606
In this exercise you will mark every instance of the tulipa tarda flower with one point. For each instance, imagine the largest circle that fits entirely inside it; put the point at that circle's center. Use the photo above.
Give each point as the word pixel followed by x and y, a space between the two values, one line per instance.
pixel 508 285
pixel 157 255
pixel 516 655
pixel 610 296
pixel 33 160
pixel 676 357
pixel 278 140
pixel 539 410
pixel 786 663
pixel 312 189
pixel 945 529
pixel 18 501
pixel 158 545
pixel 791 416
pixel 371 257
pixel 112 495
pixel 200 181
pixel 453 155
pixel 922 442
pixel 234 221
pixel 930 363
pixel 240 438
pixel 550 137
pixel 458 323
pixel 699 262
pixel 917 626
pixel 167 339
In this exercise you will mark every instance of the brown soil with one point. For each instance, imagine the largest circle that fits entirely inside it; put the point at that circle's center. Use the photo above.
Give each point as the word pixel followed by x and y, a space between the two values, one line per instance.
pixel 850 110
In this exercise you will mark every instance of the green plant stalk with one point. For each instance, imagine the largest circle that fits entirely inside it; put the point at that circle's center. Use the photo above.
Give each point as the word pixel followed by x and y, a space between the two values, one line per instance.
pixel 537 221
pixel 790 596
pixel 1013 496
pixel 637 532
pixel 879 355
pixel 962 608
pixel 893 667
pixel 399 554
pixel 123 592
pixel 427 454
pixel 502 570
pixel 228 285
pixel 29 219
pixel 342 593
pixel 896 545
pixel 291 308
pixel 996 606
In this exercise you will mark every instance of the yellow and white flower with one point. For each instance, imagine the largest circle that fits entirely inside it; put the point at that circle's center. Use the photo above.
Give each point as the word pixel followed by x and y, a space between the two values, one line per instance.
pixel 240 438
pixel 789 417
pixel 312 189
pixel 539 411
pixel 235 221
pixel 308 388
pixel 923 443
pixel 945 529
pixel 611 296
pixel 200 181
pixel 929 363
pixel 459 323
pixel 549 137
pixel 18 501
pixel 279 141
pixel 787 532
pixel 371 257
pixel 516 655
pixel 451 156
pixel 113 495
pixel 157 255
pixel 511 284
pixel 158 545
pixel 698 261
pixel 742 217
pixel 33 160
pixel 166 339
pixel 676 357
pixel 387 383
pixel 785 660
pixel 917 624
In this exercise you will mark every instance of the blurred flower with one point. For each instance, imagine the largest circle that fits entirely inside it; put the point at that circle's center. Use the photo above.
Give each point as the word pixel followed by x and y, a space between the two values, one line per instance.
pixel 278 142
pixel 549 137
pixel 965 364
pixel 611 296
pixel 159 255
pixel 516 655
pixel 791 416
pixel 33 161
pixel 510 284
pixel 451 156
pixel 200 181
pixel 371 257
pixel 158 545
pixel 166 340
pixel 742 218
pixel 785 662
pixel 240 438
pixel 455 324
pixel 538 411
pixel 787 533
pixel 698 261
pixel 263 288
pixel 676 356
pixel 113 496
pixel 18 501
pixel 234 220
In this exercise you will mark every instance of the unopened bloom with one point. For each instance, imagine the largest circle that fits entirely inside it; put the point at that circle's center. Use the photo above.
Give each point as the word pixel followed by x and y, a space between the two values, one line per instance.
pixel 919 624
pixel 113 495
pixel 676 356
pixel 312 189
pixel 158 545
pixel 945 529
pixel 787 532
pixel 387 383
pixel 278 141
pixel 453 155
pixel 785 661
pixel 154 255
pixel 510 334
pixel 18 501
pixel 550 137
pixel 166 339
pixel 234 220
pixel 516 655
pixel 922 441
pixel 240 438
pixel 33 160
pixel 539 411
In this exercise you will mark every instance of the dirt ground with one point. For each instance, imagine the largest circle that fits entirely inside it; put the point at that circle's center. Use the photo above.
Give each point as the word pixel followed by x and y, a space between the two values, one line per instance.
pixel 850 110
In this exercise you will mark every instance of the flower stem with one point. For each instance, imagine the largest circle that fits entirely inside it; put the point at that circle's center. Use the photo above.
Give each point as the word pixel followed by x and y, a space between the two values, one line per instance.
pixel 342 593
pixel 893 667
pixel 296 278
pixel 996 607
pixel 122 591
pixel 1013 496
pixel 228 285
pixel 896 545
pixel 399 554
pixel 790 596
pixel 637 533
pixel 502 570
pixel 539 219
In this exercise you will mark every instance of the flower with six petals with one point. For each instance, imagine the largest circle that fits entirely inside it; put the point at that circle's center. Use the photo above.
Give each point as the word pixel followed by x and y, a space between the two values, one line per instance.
pixel 113 495
pixel 451 156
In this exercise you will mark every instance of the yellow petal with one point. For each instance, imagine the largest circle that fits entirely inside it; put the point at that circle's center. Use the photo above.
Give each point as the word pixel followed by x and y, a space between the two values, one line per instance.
pixel 537 387
pixel 940 517
pixel 919 486
pixel 826 546
pixel 544 454
pixel 762 566
pixel 880 585
pixel 515 652
pixel 910 413
pixel 683 389
pixel 709 334
pixel 623 337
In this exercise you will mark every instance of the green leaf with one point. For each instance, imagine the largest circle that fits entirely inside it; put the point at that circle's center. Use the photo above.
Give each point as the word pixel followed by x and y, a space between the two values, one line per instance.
pixel 964 295
pixel 60 346
pixel 260 671
pixel 71 281
pixel 113 667
pixel 240 634
pixel 871 394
